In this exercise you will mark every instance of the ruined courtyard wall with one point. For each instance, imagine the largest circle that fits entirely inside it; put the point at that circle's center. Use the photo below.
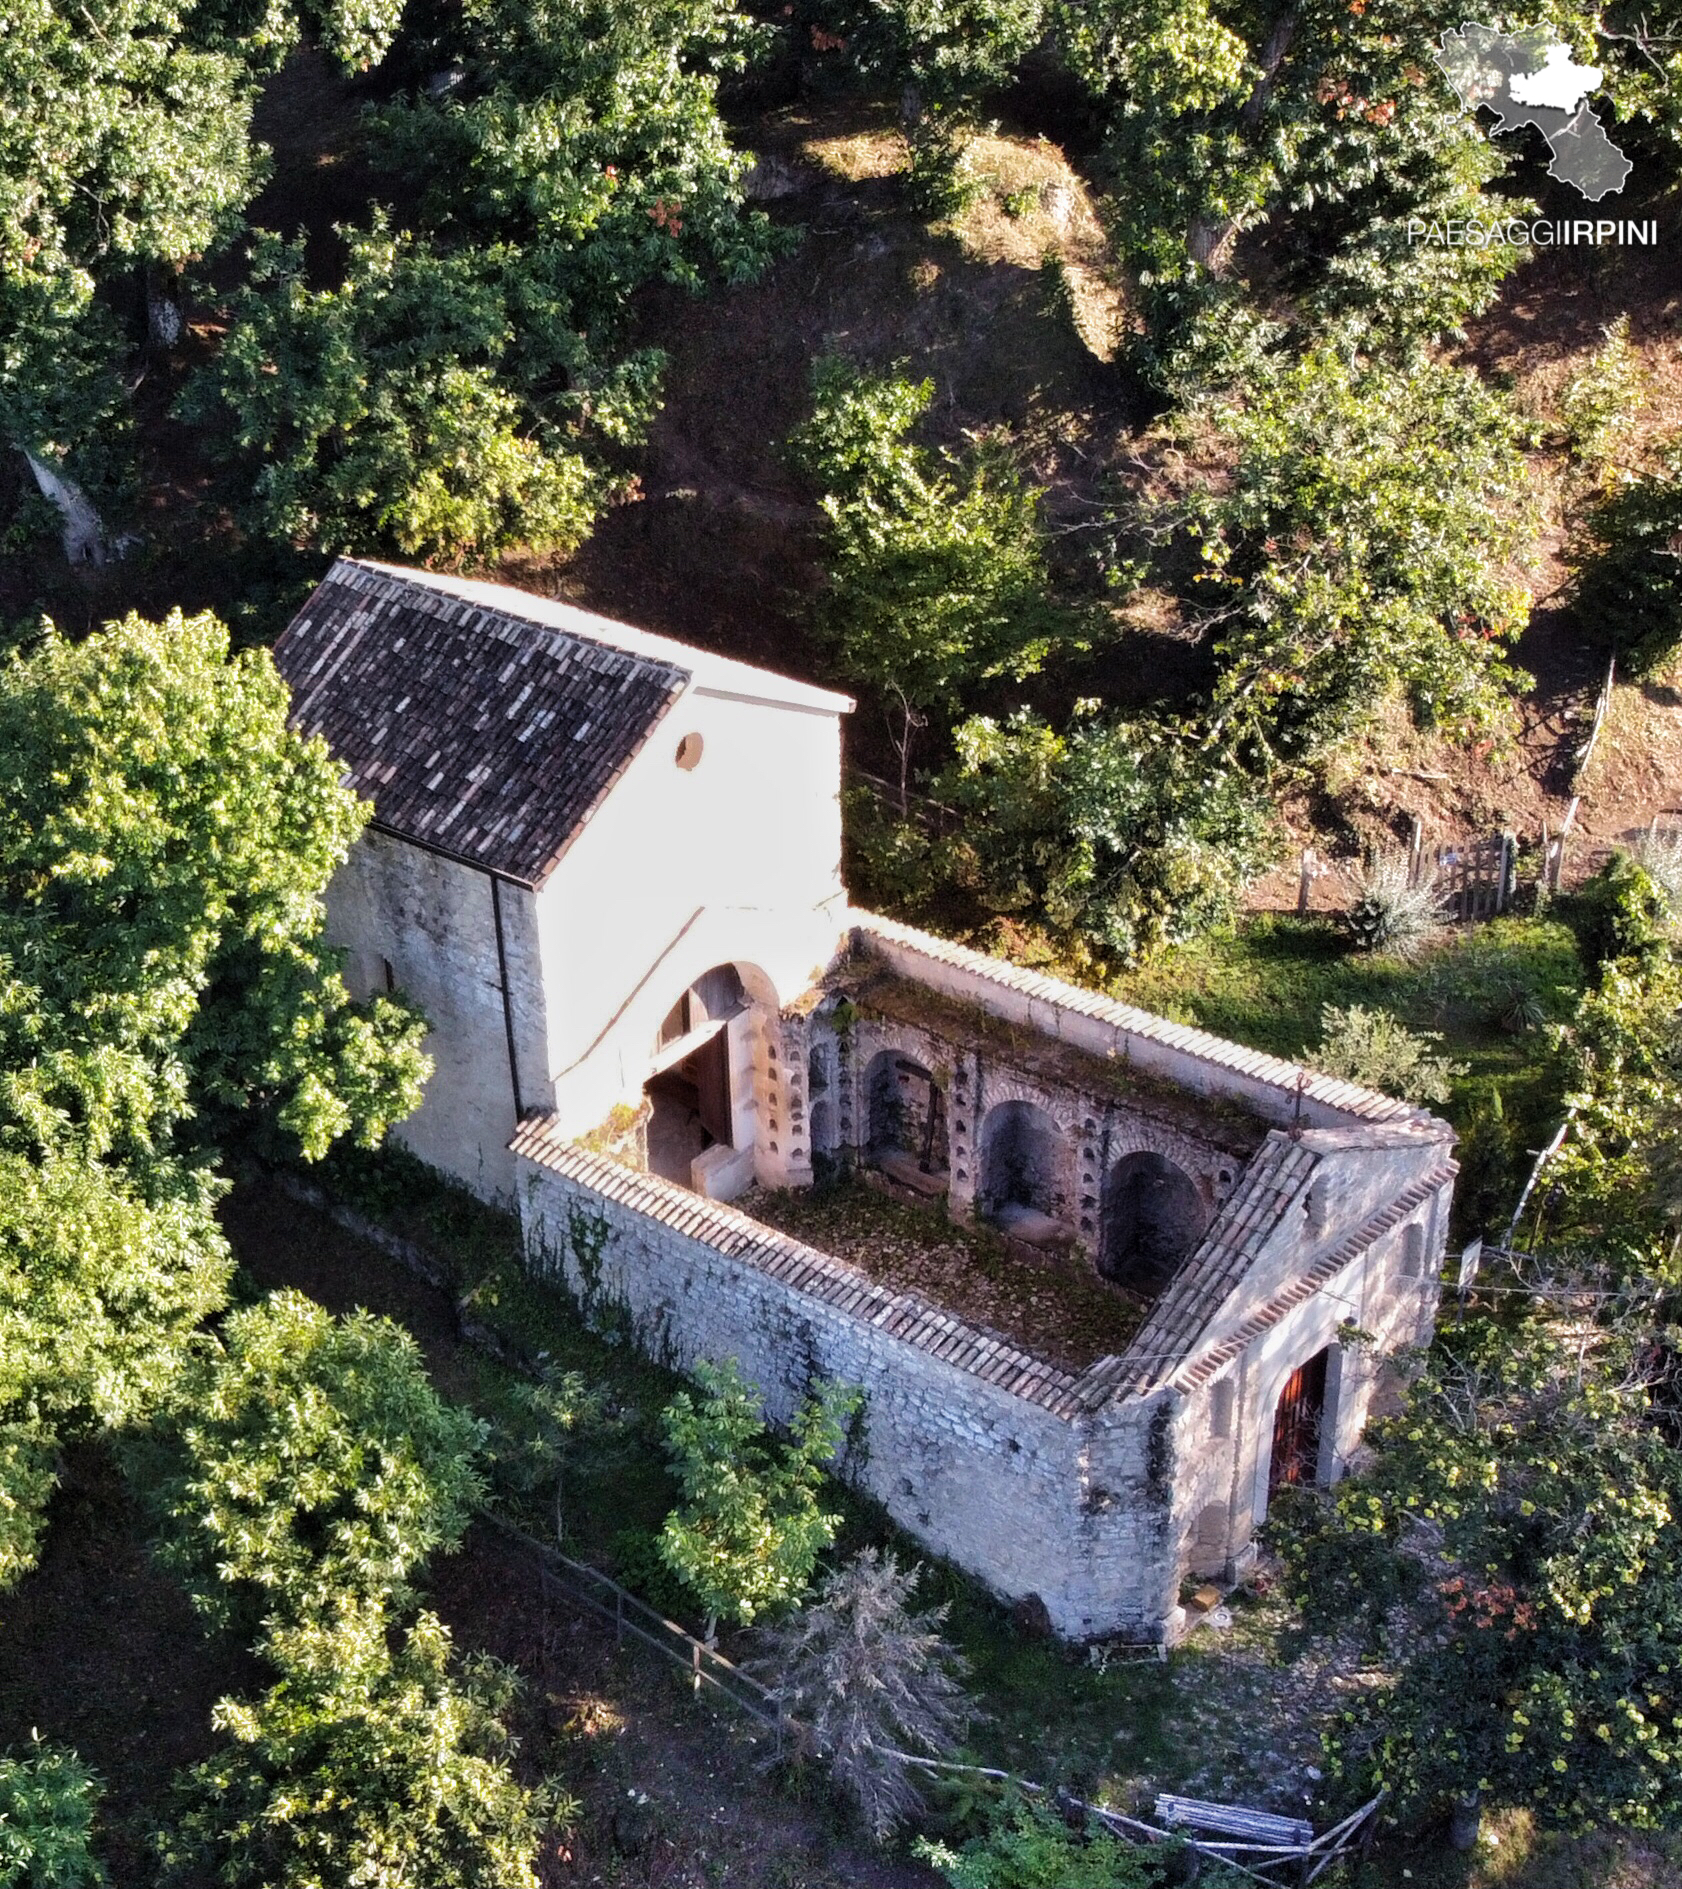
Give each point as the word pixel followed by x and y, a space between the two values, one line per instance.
pixel 1097 1132
pixel 432 920
pixel 1028 1500
pixel 1188 1058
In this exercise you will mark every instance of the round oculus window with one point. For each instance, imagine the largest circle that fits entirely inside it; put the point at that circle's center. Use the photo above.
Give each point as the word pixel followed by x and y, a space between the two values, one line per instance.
pixel 689 752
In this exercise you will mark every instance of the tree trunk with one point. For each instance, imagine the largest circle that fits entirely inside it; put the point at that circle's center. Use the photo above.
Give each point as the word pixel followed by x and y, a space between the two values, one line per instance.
pixel 1209 241
pixel 1465 1822
pixel 165 322
pixel 84 535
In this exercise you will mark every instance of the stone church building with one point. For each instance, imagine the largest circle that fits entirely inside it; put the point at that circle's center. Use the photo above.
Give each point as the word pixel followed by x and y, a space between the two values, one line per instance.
pixel 607 866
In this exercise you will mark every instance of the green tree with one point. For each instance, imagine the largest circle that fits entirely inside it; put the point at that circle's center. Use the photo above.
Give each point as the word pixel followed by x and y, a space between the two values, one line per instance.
pixel 101 1291
pixel 1362 546
pixel 460 389
pixel 363 1764
pixel 1628 589
pixel 555 1415
pixel 1120 836
pixel 1313 133
pixel 376 412
pixel 1509 1549
pixel 935 565
pixel 165 841
pixel 318 1464
pixel 47 1802
pixel 749 1527
pixel 125 147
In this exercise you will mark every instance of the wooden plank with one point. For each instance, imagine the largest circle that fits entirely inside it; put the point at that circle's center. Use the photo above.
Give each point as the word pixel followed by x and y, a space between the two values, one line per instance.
pixel 1233 1820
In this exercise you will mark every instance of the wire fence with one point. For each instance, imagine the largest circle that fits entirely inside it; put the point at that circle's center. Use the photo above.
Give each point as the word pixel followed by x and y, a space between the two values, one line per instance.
pixel 1255 1844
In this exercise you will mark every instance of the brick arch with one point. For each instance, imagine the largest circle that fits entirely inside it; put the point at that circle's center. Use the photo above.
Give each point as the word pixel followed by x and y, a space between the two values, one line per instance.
pixel 1005 1085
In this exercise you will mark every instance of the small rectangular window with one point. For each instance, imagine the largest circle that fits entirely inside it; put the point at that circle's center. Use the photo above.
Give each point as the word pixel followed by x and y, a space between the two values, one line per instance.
pixel 1220 1408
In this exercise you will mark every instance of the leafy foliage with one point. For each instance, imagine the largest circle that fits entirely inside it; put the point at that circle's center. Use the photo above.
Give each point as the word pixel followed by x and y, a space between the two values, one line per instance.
pixel 364 1765
pixel 1629 588
pixel 869 1679
pixel 1509 1545
pixel 376 411
pixel 1622 912
pixel 47 1802
pixel 748 1530
pixel 125 143
pixel 1618 1178
pixel 1376 1048
pixel 1319 130
pixel 320 1467
pixel 455 394
pixel 1362 547
pixel 936 574
pixel 1028 1847
pixel 165 841
pixel 948 50
pixel 1121 836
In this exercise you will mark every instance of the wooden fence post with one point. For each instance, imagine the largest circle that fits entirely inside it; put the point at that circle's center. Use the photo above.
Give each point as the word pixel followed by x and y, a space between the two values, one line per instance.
pixel 1305 881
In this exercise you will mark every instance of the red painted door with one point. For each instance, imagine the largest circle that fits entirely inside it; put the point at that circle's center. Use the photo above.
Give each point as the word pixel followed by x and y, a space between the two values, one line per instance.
pixel 1296 1425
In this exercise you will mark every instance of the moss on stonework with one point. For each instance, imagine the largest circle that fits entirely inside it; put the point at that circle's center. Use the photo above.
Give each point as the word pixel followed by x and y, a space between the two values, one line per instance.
pixel 1051 1304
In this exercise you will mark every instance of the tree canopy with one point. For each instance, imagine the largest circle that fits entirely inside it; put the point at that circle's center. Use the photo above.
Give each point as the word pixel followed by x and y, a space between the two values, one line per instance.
pixel 165 841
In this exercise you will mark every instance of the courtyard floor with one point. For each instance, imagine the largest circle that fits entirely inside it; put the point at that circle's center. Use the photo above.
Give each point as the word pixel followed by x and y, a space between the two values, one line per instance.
pixel 1050 1303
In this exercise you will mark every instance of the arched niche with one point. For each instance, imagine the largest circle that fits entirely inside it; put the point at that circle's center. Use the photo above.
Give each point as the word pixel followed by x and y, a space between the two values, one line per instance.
pixel 906 1134
pixel 1153 1216
pixel 1024 1170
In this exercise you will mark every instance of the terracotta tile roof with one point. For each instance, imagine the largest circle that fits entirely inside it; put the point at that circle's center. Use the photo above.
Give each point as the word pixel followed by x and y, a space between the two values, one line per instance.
pixel 1166 1348
pixel 907 1316
pixel 472 730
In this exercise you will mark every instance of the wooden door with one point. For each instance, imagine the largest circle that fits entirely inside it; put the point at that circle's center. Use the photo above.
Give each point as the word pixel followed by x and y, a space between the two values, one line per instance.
pixel 1296 1425
pixel 709 1069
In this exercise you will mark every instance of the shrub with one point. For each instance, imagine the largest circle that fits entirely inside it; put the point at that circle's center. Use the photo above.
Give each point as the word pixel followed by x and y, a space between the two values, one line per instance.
pixel 868 1679
pixel 1030 1848
pixel 1376 1048
pixel 1629 587
pixel 1601 400
pixel 47 1804
pixel 1392 911
pixel 319 1462
pixel 942 181
pixel 1620 912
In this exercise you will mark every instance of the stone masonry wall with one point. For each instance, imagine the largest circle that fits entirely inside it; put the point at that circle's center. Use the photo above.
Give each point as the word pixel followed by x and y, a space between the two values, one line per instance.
pixel 976 1450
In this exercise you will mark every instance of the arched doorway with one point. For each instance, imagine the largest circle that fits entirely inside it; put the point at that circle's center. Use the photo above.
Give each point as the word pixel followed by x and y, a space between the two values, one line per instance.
pixel 1298 1419
pixel 906 1122
pixel 689 1093
pixel 1153 1217
pixel 1023 1163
